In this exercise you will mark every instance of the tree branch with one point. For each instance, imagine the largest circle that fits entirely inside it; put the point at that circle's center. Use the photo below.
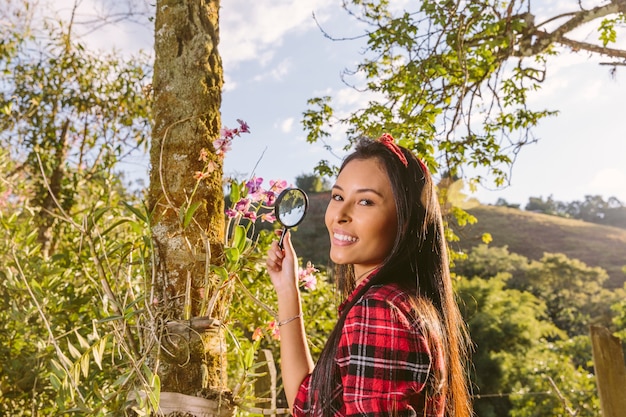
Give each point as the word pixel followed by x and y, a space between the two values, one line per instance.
pixel 601 50
pixel 535 41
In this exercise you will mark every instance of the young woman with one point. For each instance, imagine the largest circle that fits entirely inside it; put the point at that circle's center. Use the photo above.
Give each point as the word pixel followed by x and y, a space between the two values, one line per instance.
pixel 400 345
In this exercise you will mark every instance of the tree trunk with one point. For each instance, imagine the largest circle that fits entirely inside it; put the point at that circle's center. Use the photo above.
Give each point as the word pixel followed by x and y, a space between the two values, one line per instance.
pixel 190 356
pixel 49 192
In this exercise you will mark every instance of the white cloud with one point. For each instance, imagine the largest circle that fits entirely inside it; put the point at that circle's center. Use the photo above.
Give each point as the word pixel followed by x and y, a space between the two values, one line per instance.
pixel 277 72
pixel 286 126
pixel 229 83
pixel 248 30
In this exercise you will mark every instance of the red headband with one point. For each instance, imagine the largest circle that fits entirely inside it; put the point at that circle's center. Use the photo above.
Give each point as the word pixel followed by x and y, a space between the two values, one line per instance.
pixel 387 140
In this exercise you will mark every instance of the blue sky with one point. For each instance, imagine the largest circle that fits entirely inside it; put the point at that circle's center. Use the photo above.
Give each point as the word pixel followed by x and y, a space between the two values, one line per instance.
pixel 275 58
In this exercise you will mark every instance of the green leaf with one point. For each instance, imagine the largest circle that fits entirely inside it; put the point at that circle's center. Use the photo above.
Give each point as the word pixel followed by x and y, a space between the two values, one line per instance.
pixel 221 271
pixel 113 226
pixel 99 213
pixel 249 358
pixel 235 192
pixel 55 382
pixel 98 352
pixel 82 342
pixel 232 255
pixel 73 351
pixel 138 213
pixel 239 240
pixel 155 394
pixel 190 212
pixel 84 365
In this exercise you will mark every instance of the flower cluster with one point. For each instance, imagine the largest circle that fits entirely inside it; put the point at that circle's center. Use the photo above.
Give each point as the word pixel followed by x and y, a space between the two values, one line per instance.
pixel 223 143
pixel 271 328
pixel 255 197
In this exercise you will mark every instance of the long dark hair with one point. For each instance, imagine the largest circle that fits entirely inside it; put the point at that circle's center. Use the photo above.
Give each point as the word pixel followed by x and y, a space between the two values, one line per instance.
pixel 419 263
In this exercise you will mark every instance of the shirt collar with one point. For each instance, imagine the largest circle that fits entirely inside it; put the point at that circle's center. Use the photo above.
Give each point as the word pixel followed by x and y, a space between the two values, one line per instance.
pixel 354 292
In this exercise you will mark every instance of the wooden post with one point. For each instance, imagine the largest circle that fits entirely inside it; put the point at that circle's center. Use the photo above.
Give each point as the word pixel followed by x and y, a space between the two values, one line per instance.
pixel 265 386
pixel 608 361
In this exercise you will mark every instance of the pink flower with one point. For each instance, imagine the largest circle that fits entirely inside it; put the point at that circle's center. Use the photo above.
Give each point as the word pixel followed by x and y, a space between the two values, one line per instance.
pixel 221 145
pixel 250 215
pixel 270 198
pixel 274 330
pixel 227 134
pixel 268 217
pixel 243 126
pixel 258 334
pixel 255 192
pixel 199 175
pixel 254 184
pixel 204 155
pixel 242 205
pixel 277 185
pixel 231 213
pixel 307 276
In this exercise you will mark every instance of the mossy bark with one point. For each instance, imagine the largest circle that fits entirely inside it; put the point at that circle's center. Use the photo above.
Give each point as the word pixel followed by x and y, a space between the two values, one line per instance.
pixel 187 88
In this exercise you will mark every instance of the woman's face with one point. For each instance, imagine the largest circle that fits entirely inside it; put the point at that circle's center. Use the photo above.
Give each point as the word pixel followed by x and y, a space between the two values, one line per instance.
pixel 361 216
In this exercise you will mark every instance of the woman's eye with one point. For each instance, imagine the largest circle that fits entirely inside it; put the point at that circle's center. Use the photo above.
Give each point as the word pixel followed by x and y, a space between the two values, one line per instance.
pixel 365 202
pixel 336 197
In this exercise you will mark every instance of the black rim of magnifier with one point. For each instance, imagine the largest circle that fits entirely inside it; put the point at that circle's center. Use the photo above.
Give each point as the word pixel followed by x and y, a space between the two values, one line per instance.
pixel 277 205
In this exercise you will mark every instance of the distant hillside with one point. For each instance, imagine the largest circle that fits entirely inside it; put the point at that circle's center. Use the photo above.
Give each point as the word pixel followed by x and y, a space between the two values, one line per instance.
pixel 528 234
pixel 532 234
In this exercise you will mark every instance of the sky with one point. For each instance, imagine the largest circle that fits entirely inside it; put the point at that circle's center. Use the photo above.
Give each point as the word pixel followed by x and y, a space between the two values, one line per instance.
pixel 275 58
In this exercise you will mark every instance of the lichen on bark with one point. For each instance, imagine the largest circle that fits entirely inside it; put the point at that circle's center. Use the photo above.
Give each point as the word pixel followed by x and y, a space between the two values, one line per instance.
pixel 187 87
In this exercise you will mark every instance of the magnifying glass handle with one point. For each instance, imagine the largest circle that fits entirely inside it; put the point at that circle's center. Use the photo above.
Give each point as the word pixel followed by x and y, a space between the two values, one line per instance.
pixel 282 236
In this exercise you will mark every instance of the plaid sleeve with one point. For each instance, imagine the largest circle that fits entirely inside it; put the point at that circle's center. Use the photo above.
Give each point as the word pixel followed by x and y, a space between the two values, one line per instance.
pixel 300 406
pixel 383 358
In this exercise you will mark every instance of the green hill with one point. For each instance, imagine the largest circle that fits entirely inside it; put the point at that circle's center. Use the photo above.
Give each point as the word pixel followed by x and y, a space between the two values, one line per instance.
pixel 525 233
pixel 532 234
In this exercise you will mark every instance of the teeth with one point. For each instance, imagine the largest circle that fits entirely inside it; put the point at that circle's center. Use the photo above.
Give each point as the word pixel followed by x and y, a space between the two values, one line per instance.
pixel 344 238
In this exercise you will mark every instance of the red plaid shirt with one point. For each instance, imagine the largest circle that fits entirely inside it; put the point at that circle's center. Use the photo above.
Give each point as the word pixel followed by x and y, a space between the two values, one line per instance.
pixel 384 364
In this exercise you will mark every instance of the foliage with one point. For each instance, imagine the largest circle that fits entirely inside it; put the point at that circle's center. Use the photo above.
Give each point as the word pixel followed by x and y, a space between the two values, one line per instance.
pixel 68 116
pixel 251 321
pixel 312 183
pixel 518 352
pixel 451 80
pixel 593 209
pixel 619 320
pixel 488 261
pixel 428 66
pixel 80 305
pixel 72 251
pixel 573 292
pixel 538 363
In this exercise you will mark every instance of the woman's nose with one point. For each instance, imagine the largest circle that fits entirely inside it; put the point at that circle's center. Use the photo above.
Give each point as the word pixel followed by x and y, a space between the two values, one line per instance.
pixel 342 216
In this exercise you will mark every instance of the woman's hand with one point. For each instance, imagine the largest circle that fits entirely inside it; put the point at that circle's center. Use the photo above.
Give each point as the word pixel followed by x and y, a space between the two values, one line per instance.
pixel 282 266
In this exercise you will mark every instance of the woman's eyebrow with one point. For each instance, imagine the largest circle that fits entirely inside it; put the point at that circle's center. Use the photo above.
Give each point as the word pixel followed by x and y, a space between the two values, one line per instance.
pixel 361 190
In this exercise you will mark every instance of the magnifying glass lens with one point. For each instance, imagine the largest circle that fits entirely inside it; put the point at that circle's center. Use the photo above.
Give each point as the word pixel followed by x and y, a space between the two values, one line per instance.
pixel 290 209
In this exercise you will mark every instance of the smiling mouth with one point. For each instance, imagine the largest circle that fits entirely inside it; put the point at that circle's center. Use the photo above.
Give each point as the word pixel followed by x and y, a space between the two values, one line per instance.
pixel 344 238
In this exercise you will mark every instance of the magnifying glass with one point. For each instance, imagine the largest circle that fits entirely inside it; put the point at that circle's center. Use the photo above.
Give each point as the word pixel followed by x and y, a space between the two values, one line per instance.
pixel 290 208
